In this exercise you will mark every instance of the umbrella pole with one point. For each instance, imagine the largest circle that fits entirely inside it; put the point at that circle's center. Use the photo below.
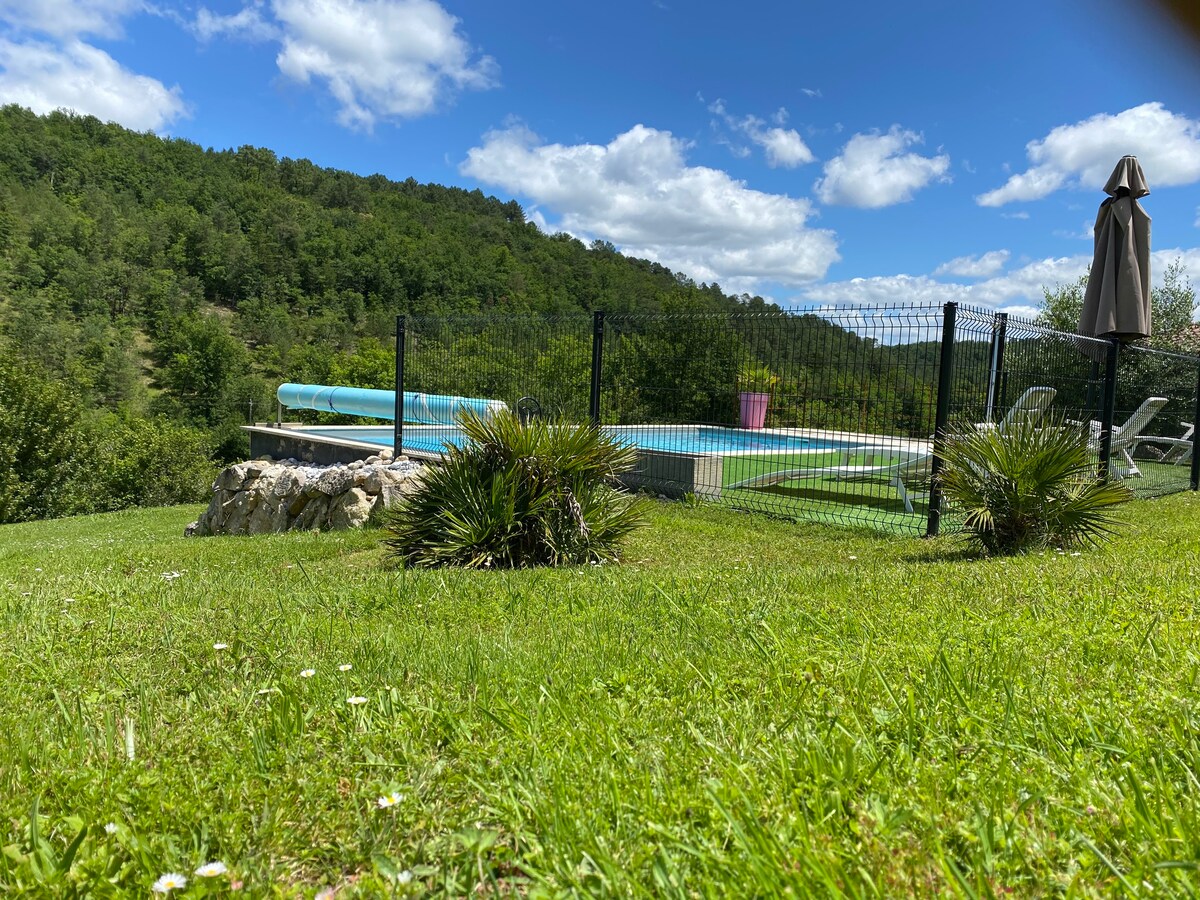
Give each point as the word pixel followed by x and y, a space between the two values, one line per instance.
pixel 1110 404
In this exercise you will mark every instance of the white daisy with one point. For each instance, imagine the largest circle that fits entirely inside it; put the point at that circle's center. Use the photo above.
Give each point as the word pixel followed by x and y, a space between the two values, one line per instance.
pixel 345 667
pixel 356 701
pixel 387 801
pixel 172 881
pixel 212 869
pixel 110 828
pixel 308 673
pixel 404 877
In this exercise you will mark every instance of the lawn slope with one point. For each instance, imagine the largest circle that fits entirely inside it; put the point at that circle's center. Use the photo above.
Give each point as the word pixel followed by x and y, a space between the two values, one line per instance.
pixel 745 706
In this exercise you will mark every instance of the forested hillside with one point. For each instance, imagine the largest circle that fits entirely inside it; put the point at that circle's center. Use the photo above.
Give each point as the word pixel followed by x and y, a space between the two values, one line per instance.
pixel 153 287
pixel 161 276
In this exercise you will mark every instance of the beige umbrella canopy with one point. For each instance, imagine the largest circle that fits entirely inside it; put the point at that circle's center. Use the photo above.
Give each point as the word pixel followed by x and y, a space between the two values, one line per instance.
pixel 1116 303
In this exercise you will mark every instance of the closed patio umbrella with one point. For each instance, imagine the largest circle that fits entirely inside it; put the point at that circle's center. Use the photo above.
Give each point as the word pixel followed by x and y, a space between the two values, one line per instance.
pixel 1116 303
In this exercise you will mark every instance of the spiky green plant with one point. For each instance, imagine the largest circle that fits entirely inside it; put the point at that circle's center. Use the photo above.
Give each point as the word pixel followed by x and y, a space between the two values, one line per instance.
pixel 1030 485
pixel 538 494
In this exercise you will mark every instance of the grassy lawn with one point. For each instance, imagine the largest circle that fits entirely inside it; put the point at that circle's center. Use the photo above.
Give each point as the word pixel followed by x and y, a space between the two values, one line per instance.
pixel 747 707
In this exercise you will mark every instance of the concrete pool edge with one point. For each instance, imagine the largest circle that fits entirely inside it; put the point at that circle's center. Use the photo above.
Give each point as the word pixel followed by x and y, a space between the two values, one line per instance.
pixel 662 471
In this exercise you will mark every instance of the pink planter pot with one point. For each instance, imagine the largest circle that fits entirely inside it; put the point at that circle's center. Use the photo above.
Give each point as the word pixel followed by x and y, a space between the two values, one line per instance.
pixel 754 409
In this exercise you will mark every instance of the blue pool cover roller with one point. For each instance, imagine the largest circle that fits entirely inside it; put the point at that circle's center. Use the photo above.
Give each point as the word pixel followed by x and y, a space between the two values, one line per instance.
pixel 425 409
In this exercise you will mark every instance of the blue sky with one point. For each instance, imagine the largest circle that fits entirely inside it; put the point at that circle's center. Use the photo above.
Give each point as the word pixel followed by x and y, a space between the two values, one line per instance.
pixel 809 152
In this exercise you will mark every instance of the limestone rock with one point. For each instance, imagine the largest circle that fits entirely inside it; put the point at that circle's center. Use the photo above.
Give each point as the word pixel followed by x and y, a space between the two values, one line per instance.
pixel 313 515
pixel 262 496
pixel 232 479
pixel 351 510
pixel 335 481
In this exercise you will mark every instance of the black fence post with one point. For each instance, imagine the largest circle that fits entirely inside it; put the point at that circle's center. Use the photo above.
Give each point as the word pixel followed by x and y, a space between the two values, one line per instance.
pixel 597 362
pixel 1109 408
pixel 1196 437
pixel 398 423
pixel 945 387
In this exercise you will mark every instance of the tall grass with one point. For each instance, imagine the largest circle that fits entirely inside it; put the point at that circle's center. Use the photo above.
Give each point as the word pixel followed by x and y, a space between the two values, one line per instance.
pixel 746 707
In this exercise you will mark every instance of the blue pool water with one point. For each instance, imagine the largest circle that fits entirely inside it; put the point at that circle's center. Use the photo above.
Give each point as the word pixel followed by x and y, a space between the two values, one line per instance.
pixel 690 439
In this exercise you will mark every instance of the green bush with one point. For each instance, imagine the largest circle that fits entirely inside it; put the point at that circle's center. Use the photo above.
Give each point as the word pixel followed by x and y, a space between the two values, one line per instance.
pixel 149 462
pixel 41 443
pixel 1030 485
pixel 518 495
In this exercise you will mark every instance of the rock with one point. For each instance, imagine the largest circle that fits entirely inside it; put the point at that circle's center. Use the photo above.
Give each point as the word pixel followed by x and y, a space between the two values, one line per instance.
pixel 372 482
pixel 288 483
pixel 351 510
pixel 235 513
pixel 394 492
pixel 299 502
pixel 333 482
pixel 372 460
pixel 313 515
pixel 267 518
pixel 232 479
pixel 260 496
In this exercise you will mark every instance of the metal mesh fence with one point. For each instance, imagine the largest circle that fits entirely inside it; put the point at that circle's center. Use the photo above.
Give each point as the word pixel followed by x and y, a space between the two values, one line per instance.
pixel 822 414
pixel 1156 414
pixel 825 414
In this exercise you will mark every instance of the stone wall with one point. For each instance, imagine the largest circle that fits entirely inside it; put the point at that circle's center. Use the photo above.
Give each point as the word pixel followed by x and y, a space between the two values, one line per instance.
pixel 263 496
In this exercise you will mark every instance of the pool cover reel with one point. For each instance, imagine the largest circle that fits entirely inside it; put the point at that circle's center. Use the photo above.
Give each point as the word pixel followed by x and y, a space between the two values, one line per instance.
pixel 424 409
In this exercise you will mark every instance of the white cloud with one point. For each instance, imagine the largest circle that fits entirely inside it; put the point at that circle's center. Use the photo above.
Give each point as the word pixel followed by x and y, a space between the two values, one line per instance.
pixel 69 18
pixel 638 192
pixel 1017 291
pixel 246 24
pixel 380 59
pixel 46 77
pixel 974 266
pixel 1015 215
pixel 873 171
pixel 1083 155
pixel 783 146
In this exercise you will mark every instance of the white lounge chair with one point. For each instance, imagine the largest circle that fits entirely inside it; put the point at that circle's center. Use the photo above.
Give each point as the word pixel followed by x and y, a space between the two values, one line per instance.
pixel 871 462
pixel 1127 435
pixel 1180 448
pixel 1029 407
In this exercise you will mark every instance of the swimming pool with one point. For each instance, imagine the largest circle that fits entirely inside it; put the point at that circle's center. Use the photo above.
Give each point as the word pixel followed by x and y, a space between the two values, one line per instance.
pixel 694 440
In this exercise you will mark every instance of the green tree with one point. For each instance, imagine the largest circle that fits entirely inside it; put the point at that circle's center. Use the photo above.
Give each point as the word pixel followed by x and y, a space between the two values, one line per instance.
pixel 42 442
pixel 1173 304
pixel 201 365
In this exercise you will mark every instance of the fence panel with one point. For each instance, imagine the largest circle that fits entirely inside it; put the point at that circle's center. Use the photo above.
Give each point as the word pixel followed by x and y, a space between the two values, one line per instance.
pixel 821 414
pixel 825 414
pixel 1156 409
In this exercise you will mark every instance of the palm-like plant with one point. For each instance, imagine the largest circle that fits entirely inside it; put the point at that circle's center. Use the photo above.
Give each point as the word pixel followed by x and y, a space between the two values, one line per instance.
pixel 1030 485
pixel 519 495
